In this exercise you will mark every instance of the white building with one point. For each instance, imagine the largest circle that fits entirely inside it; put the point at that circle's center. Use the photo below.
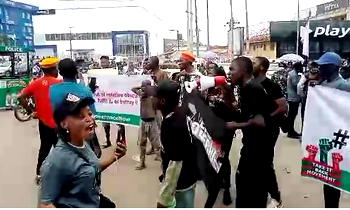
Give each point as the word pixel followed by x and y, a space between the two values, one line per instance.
pixel 101 21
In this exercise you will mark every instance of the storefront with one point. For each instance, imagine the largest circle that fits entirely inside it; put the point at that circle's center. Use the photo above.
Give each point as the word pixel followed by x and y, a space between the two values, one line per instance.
pixel 324 36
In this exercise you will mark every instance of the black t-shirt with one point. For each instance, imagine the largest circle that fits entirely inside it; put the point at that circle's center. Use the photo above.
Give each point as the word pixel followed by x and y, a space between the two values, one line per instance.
pixel 254 100
pixel 177 146
pixel 274 92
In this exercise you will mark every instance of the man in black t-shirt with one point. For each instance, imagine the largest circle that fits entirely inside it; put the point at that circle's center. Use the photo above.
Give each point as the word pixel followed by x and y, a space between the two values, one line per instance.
pixel 254 164
pixel 279 105
pixel 178 152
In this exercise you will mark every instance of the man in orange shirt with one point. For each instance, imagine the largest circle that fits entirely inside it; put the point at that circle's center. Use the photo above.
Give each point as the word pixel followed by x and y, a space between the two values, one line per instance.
pixel 40 91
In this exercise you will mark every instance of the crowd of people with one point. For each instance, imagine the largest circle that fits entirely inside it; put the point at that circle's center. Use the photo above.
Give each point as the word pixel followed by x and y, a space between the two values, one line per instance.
pixel 69 166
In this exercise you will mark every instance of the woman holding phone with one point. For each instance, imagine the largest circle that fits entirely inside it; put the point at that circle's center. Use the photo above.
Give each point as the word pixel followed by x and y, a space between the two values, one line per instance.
pixel 71 173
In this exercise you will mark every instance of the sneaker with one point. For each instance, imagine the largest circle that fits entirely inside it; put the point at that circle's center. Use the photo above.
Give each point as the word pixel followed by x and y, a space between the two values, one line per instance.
pixel 37 179
pixel 273 203
pixel 140 166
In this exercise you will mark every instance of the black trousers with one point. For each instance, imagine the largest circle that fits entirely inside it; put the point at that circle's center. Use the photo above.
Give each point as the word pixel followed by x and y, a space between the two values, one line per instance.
pixel 292 114
pixel 272 178
pixel 107 128
pixel 48 139
pixel 331 197
pixel 251 187
pixel 121 134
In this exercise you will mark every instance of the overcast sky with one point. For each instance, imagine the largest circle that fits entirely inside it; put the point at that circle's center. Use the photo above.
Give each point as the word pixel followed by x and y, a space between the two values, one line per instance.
pixel 162 15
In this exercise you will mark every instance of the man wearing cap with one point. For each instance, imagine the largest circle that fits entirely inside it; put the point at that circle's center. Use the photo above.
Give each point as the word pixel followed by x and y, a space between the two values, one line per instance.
pixel 187 72
pixel 329 64
pixel 69 71
pixel 39 90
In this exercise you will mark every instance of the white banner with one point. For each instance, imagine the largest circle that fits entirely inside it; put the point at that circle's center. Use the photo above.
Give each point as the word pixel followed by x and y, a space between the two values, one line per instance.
pixel 115 102
pixel 326 143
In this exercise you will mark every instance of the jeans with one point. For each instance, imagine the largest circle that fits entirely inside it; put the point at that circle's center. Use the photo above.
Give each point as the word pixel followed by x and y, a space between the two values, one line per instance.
pixel 331 197
pixel 48 138
pixel 185 199
pixel 292 114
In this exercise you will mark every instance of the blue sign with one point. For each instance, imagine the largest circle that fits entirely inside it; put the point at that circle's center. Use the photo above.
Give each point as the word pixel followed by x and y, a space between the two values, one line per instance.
pixel 16 25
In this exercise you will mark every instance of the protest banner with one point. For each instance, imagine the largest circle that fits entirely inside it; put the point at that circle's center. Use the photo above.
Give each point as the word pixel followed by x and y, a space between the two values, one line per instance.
pixel 326 143
pixel 114 100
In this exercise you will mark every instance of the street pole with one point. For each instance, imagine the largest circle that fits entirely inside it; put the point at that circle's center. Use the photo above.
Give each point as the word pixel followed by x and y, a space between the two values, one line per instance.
pixel 197 30
pixel 246 26
pixel 298 29
pixel 191 25
pixel 188 25
pixel 232 27
pixel 178 40
pixel 70 42
pixel 208 36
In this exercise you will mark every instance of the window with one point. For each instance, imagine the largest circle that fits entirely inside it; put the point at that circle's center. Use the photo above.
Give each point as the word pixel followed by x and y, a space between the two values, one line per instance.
pixel 23 15
pixel 264 47
pixel 272 46
pixel 29 29
pixel 28 16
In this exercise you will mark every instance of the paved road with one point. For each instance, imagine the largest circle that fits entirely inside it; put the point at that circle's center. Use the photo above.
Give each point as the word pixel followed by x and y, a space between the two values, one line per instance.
pixel 129 188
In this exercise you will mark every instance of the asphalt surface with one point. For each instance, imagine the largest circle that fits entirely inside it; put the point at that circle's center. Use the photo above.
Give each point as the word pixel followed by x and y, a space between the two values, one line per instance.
pixel 129 188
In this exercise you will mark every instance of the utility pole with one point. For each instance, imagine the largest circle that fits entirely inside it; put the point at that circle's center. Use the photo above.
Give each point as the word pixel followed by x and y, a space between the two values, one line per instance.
pixel 197 30
pixel 208 36
pixel 188 24
pixel 298 29
pixel 246 26
pixel 232 22
pixel 191 25
pixel 70 42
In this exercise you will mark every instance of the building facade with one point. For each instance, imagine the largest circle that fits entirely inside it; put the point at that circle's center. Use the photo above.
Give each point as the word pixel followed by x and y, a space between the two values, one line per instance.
pixel 16 26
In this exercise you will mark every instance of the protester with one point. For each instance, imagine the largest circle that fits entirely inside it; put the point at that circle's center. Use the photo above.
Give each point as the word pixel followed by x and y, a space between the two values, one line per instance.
pixel 222 101
pixel 68 70
pixel 71 174
pixel 310 78
pixel 293 98
pixel 280 77
pixel 257 137
pixel 329 65
pixel 178 152
pixel 105 63
pixel 158 75
pixel 39 90
pixel 187 72
pixel 274 92
pixel 149 128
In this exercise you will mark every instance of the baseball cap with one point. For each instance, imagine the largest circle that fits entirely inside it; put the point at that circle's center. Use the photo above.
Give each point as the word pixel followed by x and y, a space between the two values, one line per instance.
pixel 71 105
pixel 47 63
pixel 188 56
pixel 329 58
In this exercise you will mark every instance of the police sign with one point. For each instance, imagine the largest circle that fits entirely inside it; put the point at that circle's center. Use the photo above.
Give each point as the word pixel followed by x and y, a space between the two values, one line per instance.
pixel 45 12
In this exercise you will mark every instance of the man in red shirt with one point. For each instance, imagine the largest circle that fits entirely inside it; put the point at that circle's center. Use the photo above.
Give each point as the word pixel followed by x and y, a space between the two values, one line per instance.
pixel 40 91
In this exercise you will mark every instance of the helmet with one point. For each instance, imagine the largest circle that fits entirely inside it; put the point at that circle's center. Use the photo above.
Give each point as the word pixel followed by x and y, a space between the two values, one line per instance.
pixel 49 62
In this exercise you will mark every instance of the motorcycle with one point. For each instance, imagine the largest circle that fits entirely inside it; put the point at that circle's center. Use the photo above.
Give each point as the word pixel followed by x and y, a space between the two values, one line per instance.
pixel 24 113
